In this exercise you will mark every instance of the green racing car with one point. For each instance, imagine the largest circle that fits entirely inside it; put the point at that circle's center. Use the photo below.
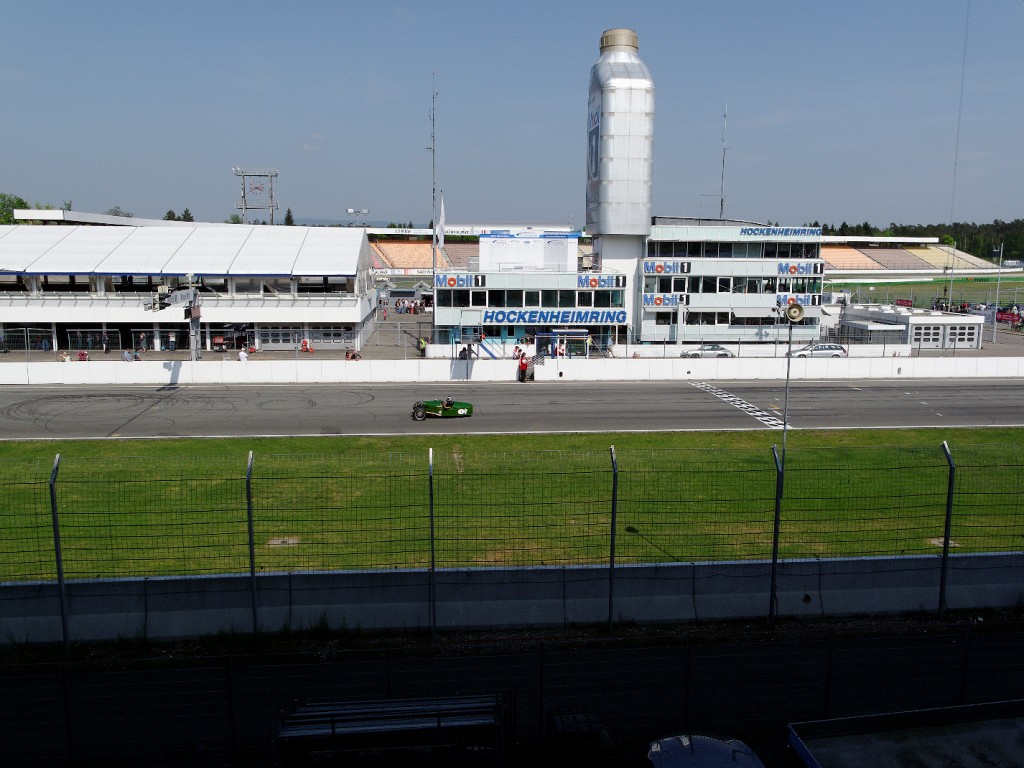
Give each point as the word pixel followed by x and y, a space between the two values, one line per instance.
pixel 446 409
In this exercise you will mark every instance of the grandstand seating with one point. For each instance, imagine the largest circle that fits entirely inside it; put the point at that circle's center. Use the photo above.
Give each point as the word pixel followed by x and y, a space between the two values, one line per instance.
pixel 379 259
pixel 895 258
pixel 845 257
pixel 459 254
pixel 938 256
pixel 405 254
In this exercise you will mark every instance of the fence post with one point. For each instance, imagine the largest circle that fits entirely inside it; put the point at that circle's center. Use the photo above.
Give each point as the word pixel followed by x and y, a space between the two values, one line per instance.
pixel 611 553
pixel 949 525
pixel 55 522
pixel 432 586
pixel 252 545
pixel 780 479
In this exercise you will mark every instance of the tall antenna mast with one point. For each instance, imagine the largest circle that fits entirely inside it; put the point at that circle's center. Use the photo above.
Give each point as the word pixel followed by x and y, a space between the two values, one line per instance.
pixel 433 175
pixel 721 204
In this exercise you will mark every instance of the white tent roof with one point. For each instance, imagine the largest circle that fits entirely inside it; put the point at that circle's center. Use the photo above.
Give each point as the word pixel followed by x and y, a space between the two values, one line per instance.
pixel 230 249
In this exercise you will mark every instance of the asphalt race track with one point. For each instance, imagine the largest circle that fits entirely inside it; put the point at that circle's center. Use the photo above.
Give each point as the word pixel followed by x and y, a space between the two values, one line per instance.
pixel 384 409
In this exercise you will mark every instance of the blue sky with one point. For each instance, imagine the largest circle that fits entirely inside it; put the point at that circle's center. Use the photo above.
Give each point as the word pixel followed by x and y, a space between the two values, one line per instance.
pixel 837 111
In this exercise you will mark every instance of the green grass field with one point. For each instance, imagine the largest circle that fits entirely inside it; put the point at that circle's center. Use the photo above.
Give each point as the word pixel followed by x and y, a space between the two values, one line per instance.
pixel 972 290
pixel 179 507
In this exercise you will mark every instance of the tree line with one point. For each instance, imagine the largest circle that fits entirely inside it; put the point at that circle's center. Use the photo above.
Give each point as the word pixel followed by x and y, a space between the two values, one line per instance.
pixel 981 240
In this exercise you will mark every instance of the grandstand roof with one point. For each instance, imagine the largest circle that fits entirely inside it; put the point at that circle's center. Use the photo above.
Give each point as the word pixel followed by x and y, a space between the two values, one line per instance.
pixel 227 249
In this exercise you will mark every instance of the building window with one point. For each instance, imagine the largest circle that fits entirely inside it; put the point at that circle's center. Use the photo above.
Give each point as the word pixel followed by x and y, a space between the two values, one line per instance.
pixel 549 298
pixel 513 298
pixel 532 299
pixel 479 298
pixel 496 299
pixel 665 318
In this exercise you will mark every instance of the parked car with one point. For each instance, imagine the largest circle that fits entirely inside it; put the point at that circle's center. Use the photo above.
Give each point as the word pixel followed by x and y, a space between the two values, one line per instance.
pixel 819 350
pixel 692 751
pixel 708 350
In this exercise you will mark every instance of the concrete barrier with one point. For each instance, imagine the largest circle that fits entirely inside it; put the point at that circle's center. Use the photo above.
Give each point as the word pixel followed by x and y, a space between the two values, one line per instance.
pixel 165 373
pixel 499 598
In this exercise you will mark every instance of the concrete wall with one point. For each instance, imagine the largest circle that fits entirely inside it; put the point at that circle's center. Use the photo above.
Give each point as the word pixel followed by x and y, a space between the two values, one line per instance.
pixel 168 608
pixel 163 373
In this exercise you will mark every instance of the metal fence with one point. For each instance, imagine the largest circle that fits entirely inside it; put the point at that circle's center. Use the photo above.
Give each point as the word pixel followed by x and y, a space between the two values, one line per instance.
pixel 549 508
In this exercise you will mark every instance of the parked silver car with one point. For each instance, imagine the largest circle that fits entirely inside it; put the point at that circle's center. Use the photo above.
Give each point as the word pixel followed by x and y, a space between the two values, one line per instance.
pixel 708 350
pixel 819 350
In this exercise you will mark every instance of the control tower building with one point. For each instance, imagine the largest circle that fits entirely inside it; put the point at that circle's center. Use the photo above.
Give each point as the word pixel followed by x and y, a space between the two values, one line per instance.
pixel 620 153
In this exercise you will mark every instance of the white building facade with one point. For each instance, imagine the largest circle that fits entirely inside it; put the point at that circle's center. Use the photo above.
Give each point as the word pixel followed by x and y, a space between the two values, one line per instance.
pixel 65 286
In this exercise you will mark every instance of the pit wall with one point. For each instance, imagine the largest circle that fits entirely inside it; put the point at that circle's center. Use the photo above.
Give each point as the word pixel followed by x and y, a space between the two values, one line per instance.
pixel 163 373
pixel 174 608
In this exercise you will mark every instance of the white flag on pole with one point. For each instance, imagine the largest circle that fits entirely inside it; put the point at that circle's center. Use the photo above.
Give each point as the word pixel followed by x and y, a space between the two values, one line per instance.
pixel 440 225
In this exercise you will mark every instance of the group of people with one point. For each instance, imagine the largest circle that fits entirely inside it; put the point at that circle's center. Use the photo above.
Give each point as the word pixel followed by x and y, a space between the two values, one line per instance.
pixel 83 356
pixel 90 340
pixel 402 306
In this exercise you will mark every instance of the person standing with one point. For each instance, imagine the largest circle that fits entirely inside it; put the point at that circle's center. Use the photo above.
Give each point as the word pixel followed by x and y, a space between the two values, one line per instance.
pixel 524 363
pixel 243 354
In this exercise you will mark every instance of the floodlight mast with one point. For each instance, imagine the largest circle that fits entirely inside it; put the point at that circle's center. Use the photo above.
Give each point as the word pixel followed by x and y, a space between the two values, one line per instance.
pixel 358 213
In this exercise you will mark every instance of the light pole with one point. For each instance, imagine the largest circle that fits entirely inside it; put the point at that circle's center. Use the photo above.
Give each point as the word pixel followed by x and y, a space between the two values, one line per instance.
pixel 952 266
pixel 995 311
pixel 792 314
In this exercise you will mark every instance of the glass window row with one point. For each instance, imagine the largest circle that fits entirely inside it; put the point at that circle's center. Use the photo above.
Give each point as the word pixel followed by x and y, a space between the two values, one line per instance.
pixel 702 250
pixel 721 318
pixel 713 284
pixel 550 299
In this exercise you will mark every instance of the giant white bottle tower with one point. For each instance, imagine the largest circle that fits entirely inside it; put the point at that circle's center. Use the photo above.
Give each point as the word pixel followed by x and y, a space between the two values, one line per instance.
pixel 620 139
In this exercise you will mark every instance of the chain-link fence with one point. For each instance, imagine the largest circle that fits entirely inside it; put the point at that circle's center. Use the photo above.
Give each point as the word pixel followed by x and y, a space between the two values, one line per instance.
pixel 523 509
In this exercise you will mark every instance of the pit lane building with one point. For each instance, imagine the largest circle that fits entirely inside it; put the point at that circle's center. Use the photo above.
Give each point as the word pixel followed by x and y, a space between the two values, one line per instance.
pixel 90 279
